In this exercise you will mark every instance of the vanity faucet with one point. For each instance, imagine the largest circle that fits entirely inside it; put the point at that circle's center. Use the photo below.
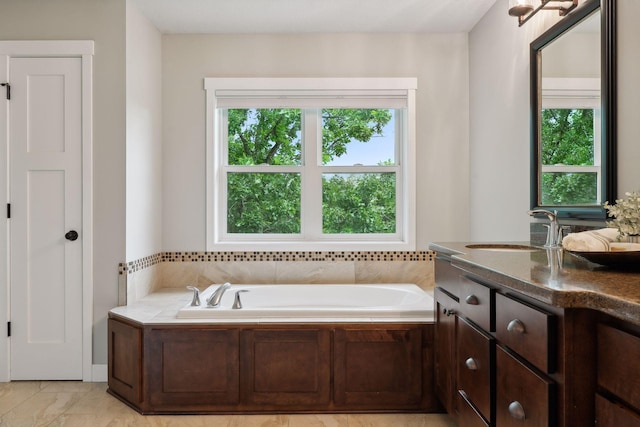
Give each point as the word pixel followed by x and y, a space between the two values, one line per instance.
pixel 554 232
pixel 216 297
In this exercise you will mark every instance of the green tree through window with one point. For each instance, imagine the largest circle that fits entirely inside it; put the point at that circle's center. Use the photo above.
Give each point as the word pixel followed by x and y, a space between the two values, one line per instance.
pixel 568 140
pixel 268 202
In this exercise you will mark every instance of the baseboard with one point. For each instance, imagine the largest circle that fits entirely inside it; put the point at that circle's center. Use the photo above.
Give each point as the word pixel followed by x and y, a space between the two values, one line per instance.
pixel 99 373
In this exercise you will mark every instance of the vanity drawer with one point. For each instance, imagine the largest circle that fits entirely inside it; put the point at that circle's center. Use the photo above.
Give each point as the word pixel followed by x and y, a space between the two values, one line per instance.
pixel 476 303
pixel 523 397
pixel 526 330
pixel 447 276
pixel 475 361
pixel 618 367
pixel 609 414
pixel 468 416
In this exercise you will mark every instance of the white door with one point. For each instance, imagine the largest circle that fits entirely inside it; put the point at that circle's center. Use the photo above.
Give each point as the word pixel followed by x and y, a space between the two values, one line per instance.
pixel 45 192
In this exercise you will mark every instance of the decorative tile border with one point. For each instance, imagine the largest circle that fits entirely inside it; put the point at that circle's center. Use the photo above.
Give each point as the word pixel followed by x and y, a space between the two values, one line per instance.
pixel 137 265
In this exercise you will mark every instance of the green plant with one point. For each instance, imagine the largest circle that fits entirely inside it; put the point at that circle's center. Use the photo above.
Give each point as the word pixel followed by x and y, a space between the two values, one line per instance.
pixel 626 213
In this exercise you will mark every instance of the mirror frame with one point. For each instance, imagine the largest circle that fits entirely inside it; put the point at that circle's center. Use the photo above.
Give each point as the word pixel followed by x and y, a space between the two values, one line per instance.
pixel 608 101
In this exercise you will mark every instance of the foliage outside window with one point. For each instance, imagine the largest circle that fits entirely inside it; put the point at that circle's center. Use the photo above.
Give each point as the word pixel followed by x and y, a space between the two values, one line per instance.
pixel 309 172
pixel 569 175
pixel 570 143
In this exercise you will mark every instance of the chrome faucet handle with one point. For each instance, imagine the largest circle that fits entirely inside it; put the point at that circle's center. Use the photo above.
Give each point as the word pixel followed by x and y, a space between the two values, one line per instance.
pixel 237 304
pixel 561 231
pixel 196 296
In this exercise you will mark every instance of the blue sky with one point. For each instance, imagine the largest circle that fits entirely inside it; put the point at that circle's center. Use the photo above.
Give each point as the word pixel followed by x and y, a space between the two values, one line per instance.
pixel 378 149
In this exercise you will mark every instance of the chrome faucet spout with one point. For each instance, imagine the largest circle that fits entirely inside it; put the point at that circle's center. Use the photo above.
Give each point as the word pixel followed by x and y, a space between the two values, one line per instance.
pixel 216 297
pixel 554 232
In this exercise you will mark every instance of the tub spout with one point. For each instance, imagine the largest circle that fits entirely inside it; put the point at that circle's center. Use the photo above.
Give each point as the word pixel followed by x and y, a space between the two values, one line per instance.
pixel 216 297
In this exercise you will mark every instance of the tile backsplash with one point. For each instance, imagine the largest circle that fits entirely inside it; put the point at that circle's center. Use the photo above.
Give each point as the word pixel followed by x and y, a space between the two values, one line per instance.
pixel 179 269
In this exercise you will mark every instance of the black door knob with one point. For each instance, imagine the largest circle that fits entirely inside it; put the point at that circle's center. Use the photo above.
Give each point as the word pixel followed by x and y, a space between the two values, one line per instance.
pixel 71 235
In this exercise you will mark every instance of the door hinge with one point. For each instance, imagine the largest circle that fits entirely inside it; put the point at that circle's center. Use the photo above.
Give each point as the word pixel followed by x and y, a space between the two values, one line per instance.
pixel 8 89
pixel 8 329
pixel 8 210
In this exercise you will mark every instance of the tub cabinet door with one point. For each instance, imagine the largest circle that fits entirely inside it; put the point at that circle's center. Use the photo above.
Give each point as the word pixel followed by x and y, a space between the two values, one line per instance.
pixel 286 368
pixel 125 361
pixel 191 369
pixel 378 369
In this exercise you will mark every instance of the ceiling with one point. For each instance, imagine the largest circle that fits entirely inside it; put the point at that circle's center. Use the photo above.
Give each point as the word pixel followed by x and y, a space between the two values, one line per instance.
pixel 314 16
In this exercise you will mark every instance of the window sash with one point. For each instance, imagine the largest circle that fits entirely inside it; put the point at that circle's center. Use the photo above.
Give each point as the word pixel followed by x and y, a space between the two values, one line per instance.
pixel 311 237
pixel 311 173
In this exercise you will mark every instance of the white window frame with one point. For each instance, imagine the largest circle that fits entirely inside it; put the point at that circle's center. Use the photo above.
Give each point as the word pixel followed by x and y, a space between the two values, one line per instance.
pixel 576 93
pixel 336 88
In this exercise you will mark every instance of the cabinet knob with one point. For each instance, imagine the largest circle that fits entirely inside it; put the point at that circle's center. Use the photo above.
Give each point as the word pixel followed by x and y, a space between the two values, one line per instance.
pixel 472 300
pixel 448 311
pixel 517 411
pixel 516 326
pixel 471 364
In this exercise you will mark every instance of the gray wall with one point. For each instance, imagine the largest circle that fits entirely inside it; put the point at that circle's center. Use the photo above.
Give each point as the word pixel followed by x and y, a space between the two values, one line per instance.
pixel 439 61
pixel 144 137
pixel 499 117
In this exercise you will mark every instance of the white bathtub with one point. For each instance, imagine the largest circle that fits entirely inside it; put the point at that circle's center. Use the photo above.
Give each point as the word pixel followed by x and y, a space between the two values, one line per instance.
pixel 323 303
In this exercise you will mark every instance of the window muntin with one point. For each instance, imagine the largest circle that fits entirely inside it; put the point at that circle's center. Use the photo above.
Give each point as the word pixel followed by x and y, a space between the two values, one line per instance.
pixel 319 161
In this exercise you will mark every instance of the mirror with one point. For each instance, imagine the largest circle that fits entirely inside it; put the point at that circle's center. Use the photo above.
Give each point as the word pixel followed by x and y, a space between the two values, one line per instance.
pixel 573 113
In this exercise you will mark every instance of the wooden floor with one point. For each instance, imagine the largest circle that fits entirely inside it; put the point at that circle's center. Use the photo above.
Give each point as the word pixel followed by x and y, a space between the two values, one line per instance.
pixel 77 404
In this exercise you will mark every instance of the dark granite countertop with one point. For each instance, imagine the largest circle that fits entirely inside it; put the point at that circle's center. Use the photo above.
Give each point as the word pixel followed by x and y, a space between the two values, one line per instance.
pixel 568 282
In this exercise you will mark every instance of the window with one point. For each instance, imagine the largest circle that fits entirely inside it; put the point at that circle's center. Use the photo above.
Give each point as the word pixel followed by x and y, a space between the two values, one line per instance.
pixel 310 164
pixel 570 142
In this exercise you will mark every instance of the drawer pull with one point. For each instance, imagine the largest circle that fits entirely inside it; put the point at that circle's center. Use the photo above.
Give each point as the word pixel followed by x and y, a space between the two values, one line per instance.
pixel 517 411
pixel 471 364
pixel 516 326
pixel 472 300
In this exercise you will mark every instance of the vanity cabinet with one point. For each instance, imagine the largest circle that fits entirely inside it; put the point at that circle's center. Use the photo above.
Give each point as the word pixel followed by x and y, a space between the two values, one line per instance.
pixel 517 361
pixel 618 376
pixel 205 368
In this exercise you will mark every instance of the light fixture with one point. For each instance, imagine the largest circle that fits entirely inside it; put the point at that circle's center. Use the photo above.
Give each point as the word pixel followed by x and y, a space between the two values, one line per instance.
pixel 525 9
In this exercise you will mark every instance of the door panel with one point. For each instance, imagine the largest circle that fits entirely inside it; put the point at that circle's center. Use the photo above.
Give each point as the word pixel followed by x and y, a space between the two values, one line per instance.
pixel 46 200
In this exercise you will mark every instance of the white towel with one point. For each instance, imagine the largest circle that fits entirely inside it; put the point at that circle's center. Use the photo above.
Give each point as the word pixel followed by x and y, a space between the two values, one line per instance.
pixel 591 241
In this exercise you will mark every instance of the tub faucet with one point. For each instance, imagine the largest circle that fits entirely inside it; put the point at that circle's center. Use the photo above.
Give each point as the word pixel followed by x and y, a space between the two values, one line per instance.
pixel 554 232
pixel 216 297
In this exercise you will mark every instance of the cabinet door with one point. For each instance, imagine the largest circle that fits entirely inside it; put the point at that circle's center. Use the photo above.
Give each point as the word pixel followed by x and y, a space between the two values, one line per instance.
pixel 286 368
pixel 523 397
pixel 191 369
pixel 475 367
pixel 609 414
pixel 618 367
pixel 125 361
pixel 445 349
pixel 378 369
pixel 468 415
